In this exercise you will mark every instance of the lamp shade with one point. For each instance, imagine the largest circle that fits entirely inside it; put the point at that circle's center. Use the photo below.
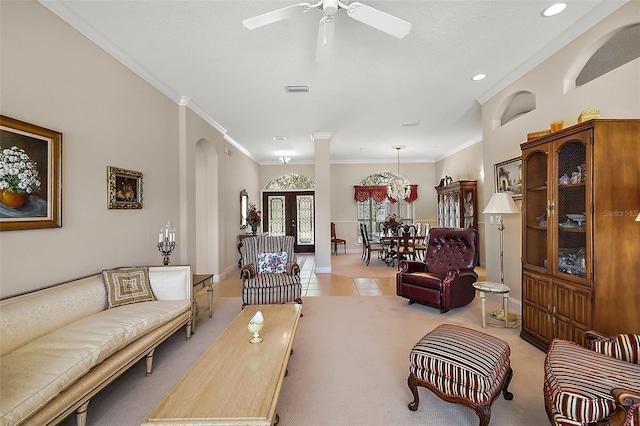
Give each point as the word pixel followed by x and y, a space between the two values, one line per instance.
pixel 501 203
pixel 638 218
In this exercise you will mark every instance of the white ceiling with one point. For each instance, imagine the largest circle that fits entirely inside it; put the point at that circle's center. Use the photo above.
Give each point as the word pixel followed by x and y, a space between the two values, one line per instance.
pixel 372 82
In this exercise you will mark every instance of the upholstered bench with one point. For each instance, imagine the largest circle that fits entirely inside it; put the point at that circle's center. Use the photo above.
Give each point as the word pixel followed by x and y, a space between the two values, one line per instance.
pixel 463 366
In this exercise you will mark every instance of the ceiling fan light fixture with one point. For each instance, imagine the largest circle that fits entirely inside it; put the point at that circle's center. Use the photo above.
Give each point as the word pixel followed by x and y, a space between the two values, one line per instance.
pixel 297 88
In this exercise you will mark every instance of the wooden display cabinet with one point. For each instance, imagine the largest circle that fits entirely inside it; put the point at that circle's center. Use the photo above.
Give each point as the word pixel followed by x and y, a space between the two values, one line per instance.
pixel 581 194
pixel 457 204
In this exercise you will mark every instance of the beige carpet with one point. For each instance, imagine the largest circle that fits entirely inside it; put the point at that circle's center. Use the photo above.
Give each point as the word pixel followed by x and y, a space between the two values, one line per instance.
pixel 349 367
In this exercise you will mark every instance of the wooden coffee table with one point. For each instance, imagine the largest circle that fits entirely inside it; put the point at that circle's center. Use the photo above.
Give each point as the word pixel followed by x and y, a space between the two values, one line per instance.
pixel 235 382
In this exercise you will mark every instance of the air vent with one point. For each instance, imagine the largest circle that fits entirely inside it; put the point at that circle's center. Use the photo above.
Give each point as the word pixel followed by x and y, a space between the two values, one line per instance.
pixel 410 124
pixel 296 89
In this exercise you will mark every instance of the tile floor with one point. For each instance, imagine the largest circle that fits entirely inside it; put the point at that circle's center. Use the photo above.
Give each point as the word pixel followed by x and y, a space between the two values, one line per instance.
pixel 330 284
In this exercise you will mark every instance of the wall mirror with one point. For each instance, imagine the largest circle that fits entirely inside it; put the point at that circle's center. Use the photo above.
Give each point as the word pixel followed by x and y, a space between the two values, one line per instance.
pixel 244 204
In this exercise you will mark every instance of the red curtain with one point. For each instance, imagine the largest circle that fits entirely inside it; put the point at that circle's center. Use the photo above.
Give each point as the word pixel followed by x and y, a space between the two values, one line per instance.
pixel 379 193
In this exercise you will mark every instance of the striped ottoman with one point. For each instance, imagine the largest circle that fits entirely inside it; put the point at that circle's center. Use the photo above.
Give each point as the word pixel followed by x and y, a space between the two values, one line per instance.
pixel 463 366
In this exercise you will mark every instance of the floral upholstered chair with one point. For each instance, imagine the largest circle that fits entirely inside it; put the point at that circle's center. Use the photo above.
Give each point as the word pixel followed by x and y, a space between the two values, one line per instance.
pixel 269 272
pixel 596 386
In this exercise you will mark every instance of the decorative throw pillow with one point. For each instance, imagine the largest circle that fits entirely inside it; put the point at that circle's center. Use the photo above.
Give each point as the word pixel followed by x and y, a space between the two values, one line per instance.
pixel 272 263
pixel 623 346
pixel 125 286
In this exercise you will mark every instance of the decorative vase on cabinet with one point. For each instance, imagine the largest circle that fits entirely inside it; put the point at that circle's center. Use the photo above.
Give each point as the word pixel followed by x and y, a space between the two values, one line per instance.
pixel 578 260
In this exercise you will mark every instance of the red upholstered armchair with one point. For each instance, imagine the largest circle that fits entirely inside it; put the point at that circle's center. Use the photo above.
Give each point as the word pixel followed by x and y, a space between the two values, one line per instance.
pixel 445 279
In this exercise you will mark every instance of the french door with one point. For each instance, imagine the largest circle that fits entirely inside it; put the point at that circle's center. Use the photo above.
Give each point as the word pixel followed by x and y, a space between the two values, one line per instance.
pixel 291 213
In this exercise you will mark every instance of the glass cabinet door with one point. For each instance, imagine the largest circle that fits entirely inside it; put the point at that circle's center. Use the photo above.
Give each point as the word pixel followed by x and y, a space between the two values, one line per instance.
pixel 570 206
pixel 537 196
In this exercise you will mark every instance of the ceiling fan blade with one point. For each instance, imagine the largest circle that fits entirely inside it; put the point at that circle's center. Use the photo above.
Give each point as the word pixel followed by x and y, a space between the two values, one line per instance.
pixel 275 16
pixel 325 38
pixel 379 20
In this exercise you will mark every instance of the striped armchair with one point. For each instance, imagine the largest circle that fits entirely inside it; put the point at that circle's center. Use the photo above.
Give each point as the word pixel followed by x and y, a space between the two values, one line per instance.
pixel 267 277
pixel 596 386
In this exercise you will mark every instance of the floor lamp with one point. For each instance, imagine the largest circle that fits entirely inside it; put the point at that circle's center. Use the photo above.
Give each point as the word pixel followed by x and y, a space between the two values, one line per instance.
pixel 501 203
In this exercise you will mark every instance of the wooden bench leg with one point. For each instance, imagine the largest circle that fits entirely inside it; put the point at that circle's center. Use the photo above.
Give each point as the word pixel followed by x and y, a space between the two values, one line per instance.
pixel 150 361
pixel 413 387
pixel 507 395
pixel 81 414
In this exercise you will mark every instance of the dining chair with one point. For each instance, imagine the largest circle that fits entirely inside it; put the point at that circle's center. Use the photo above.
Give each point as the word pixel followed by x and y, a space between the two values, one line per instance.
pixel 406 243
pixel 422 231
pixel 335 241
pixel 364 242
pixel 371 245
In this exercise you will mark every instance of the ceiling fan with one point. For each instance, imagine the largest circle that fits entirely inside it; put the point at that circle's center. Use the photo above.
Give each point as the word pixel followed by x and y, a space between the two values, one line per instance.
pixel 356 10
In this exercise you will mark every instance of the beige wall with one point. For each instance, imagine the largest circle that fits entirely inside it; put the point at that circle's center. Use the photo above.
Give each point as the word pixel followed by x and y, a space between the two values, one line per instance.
pixel 54 77
pixel 616 94
pixel 467 164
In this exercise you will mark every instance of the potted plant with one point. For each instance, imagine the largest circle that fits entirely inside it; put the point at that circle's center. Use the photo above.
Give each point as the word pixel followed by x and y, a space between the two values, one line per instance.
pixel 253 218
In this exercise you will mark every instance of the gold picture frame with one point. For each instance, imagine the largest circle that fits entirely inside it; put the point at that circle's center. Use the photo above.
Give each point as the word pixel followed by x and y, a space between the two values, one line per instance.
pixel 38 151
pixel 124 188
pixel 508 175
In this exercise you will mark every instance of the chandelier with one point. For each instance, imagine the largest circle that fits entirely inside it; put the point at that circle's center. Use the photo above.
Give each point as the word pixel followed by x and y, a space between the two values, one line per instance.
pixel 397 189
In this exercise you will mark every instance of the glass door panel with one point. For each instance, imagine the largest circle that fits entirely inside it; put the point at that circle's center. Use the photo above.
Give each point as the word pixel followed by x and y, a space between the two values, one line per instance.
pixel 571 207
pixel 305 221
pixel 536 242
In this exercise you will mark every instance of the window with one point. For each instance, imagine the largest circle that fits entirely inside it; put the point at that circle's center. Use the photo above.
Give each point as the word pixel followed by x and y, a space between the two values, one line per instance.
pixel 290 181
pixel 372 213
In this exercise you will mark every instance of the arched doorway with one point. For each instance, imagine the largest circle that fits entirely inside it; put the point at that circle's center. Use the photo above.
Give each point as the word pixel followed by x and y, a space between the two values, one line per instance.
pixel 206 197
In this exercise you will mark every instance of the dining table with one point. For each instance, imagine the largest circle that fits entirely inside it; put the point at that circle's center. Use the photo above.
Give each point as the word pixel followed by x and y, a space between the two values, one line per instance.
pixel 389 242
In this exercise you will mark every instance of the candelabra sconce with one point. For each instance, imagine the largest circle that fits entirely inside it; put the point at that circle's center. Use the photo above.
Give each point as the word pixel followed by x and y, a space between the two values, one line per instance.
pixel 167 242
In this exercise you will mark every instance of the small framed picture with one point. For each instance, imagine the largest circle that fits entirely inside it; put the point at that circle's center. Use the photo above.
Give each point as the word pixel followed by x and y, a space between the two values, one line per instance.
pixel 30 176
pixel 124 188
pixel 508 176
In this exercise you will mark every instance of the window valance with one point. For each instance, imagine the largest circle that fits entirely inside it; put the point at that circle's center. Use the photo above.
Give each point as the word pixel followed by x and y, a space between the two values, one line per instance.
pixel 379 193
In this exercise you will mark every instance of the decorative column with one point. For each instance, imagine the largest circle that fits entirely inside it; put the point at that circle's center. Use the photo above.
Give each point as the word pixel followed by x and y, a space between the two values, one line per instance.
pixel 322 179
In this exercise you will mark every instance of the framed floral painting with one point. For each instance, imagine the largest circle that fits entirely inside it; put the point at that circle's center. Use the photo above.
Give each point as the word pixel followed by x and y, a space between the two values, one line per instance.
pixel 30 176
pixel 509 177
pixel 124 188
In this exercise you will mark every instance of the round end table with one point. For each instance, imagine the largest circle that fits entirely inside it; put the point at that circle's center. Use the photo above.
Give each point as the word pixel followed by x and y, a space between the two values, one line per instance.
pixel 485 287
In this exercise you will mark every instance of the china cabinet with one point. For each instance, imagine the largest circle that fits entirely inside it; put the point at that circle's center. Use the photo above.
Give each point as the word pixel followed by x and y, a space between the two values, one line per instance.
pixel 457 204
pixel 580 239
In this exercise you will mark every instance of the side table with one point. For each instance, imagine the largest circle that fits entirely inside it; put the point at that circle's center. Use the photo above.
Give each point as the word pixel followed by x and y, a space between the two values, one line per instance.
pixel 202 280
pixel 485 287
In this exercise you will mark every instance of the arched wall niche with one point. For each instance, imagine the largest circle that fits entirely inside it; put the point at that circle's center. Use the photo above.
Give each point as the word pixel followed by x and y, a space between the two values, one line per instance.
pixel 516 105
pixel 621 48
pixel 604 55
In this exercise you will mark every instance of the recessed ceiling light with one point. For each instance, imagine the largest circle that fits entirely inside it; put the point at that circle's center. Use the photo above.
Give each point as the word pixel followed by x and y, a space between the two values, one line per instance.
pixel 279 138
pixel 479 77
pixel 554 9
pixel 298 88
